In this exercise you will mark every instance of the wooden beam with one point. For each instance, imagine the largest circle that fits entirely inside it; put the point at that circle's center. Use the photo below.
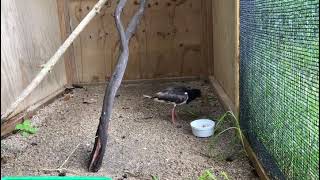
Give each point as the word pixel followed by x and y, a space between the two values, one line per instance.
pixel 9 126
pixel 155 80
pixel 223 97
pixel 255 161
pixel 237 56
pixel 204 36
pixel 65 30
pixel 228 105
pixel 210 36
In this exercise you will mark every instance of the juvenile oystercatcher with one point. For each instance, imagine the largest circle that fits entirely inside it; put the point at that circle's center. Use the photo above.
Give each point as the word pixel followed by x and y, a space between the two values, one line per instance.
pixel 175 96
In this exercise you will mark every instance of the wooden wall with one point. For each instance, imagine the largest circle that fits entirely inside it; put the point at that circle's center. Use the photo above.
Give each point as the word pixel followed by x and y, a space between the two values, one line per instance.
pixel 29 36
pixel 171 41
pixel 225 47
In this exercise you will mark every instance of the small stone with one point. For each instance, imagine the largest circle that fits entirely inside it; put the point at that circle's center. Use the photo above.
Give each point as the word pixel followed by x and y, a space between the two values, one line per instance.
pixel 3 160
pixel 229 159
pixel 149 117
pixel 125 176
pixel 66 97
pixel 254 172
pixel 34 144
pixel 62 174
pixel 46 172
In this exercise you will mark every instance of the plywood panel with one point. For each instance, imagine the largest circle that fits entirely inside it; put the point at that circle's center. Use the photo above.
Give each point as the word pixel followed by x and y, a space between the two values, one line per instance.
pixel 209 38
pixel 64 21
pixel 29 37
pixel 168 42
pixel 225 38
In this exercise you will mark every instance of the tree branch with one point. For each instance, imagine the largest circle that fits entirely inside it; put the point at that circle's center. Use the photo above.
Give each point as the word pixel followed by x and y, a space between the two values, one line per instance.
pixel 53 60
pixel 99 148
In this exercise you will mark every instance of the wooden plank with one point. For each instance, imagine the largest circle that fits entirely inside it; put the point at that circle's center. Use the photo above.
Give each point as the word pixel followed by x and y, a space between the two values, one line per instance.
pixel 205 34
pixel 227 104
pixel 94 44
pixel 237 57
pixel 224 27
pixel 9 126
pixel 64 21
pixel 29 31
pixel 210 37
pixel 256 163
pixel 167 42
pixel 225 100
pixel 154 80
pixel 188 21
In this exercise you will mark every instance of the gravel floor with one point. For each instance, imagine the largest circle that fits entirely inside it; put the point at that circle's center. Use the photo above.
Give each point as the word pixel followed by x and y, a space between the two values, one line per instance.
pixel 142 141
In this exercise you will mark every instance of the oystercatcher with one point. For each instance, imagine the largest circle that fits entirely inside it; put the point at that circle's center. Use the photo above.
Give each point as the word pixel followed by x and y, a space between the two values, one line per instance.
pixel 175 96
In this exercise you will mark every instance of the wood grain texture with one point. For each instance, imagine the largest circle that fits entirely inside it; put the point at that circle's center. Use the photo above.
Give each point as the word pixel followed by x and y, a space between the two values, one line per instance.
pixel 29 37
pixel 168 43
pixel 227 103
pixel 209 32
pixel 64 21
pixel 237 57
pixel 225 27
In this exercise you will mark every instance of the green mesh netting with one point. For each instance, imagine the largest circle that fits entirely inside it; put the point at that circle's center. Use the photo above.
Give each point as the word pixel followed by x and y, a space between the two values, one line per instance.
pixel 279 84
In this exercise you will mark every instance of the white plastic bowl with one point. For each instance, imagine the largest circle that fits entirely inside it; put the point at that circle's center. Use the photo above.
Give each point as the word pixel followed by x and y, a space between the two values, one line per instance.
pixel 202 127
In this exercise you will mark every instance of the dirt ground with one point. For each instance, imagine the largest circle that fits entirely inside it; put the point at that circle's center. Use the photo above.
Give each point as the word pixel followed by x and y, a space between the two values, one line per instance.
pixel 142 140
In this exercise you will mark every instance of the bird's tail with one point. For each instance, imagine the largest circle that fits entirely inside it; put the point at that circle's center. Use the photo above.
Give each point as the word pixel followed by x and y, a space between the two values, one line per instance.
pixel 147 96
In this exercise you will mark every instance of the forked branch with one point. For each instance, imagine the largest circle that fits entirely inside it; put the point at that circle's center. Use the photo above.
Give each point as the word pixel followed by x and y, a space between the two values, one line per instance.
pixel 100 144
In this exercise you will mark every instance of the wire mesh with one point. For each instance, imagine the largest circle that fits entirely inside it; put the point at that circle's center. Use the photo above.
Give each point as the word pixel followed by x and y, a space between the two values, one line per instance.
pixel 279 84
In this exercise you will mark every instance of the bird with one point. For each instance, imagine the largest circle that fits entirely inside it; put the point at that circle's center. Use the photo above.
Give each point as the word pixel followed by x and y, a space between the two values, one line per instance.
pixel 175 95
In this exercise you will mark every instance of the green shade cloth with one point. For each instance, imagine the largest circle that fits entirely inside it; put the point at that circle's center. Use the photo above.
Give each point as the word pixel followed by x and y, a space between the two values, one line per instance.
pixel 279 85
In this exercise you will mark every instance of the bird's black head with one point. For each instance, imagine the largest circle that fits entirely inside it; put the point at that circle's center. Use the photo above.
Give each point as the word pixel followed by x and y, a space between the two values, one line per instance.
pixel 193 94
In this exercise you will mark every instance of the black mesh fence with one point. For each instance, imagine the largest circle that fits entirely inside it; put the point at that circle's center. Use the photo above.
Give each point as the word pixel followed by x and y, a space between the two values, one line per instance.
pixel 279 84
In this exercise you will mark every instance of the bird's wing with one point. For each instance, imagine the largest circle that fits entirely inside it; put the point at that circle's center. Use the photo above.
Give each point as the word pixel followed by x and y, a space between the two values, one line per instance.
pixel 174 90
pixel 176 95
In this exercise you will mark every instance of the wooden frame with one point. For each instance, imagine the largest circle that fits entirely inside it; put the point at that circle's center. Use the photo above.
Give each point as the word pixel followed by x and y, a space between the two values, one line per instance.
pixel 155 80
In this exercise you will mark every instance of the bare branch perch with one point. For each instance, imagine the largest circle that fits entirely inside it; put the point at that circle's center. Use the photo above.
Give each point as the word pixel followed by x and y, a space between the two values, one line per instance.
pixel 99 148
pixel 53 60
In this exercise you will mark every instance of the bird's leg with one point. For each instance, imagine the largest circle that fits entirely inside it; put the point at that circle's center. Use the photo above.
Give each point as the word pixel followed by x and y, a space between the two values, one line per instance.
pixel 173 114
